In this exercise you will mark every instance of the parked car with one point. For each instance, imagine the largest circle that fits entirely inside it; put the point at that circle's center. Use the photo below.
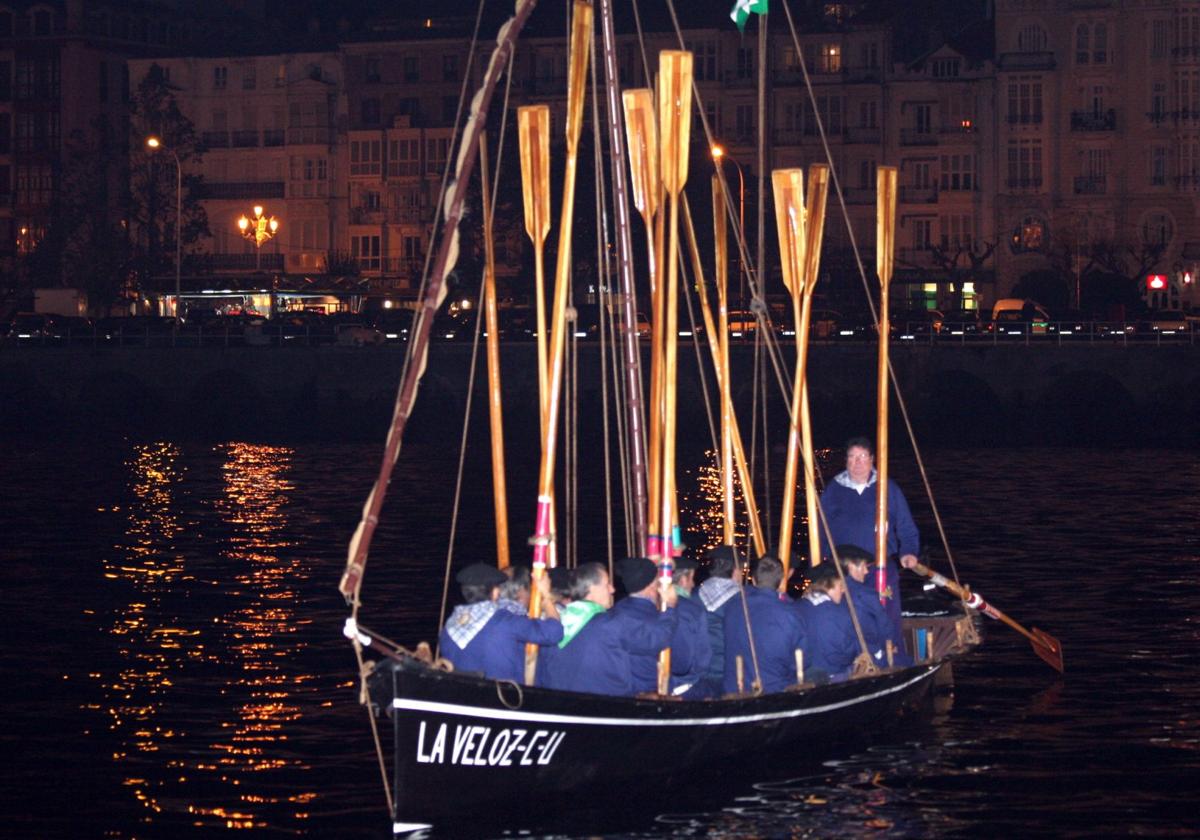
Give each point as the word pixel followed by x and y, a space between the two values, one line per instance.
pixel 822 323
pixel 964 322
pixel 1070 323
pixel 856 326
pixel 1019 317
pixel 45 327
pixel 911 324
pixel 1163 323
pixel 395 324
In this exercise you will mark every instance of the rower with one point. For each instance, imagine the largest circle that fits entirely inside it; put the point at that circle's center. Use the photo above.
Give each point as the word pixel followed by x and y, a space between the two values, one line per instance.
pixel 687 673
pixel 876 626
pixel 716 593
pixel 643 629
pixel 482 636
pixel 777 631
pixel 830 643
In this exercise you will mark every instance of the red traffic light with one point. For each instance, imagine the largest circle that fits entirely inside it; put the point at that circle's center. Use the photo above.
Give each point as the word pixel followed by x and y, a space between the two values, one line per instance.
pixel 1156 281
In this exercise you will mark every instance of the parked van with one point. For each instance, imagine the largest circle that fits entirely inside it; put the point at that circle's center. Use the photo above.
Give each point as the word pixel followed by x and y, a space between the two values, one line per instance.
pixel 1020 316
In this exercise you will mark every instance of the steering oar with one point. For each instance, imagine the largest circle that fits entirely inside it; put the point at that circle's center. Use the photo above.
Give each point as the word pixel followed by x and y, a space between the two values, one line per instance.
pixel 1044 645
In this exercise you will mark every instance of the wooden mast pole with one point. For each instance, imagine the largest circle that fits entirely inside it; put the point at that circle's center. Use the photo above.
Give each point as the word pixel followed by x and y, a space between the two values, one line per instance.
pixel 790 223
pixel 715 345
pixel 721 244
pixel 675 115
pixel 885 243
pixel 495 403
pixel 630 343
pixel 581 39
pixel 640 129
pixel 818 192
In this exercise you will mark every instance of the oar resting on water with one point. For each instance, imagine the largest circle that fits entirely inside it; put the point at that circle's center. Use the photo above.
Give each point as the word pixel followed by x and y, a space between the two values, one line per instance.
pixel 1044 645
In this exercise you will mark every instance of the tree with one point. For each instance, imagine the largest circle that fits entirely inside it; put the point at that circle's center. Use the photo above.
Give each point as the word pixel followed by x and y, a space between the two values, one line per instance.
pixel 152 187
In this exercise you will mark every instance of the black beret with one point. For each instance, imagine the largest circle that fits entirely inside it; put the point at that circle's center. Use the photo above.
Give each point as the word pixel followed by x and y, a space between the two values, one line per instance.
pixel 636 573
pixel 853 554
pixel 685 564
pixel 823 572
pixel 480 574
pixel 727 551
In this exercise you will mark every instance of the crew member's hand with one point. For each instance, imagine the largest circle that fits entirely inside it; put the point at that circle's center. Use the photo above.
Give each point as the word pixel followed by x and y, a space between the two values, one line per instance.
pixel 909 561
pixel 669 596
pixel 546 600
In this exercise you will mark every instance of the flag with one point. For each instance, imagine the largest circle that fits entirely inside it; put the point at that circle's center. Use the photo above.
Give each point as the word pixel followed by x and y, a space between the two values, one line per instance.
pixel 743 8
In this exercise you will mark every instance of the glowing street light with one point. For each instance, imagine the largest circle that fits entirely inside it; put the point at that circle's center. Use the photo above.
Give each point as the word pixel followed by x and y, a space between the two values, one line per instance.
pixel 719 154
pixel 258 230
pixel 155 144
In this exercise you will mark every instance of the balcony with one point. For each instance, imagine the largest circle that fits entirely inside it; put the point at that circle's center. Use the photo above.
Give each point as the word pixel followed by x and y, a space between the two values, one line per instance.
pixel 241 190
pixel 1027 61
pixel 245 139
pixel 1024 119
pixel 964 128
pixel 864 134
pixel 917 137
pixel 918 195
pixel 308 135
pixel 272 137
pixel 1094 120
pixel 1088 185
pixel 215 139
pixel 405 215
pixel 863 74
pixel 366 216
pixel 915 257
pixel 1190 183
pixel 1024 184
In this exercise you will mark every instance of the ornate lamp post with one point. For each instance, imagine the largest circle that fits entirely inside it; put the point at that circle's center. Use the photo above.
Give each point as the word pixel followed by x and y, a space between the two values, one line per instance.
pixel 258 230
pixel 155 144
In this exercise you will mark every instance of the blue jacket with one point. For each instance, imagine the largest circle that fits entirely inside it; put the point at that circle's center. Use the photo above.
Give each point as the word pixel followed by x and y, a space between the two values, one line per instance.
pixel 599 659
pixel 876 626
pixel 851 518
pixel 778 633
pixel 498 650
pixel 691 651
pixel 644 625
pixel 710 592
pixel 831 644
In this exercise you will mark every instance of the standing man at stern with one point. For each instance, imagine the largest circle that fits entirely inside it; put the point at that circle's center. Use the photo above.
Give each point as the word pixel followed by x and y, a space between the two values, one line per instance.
pixel 849 506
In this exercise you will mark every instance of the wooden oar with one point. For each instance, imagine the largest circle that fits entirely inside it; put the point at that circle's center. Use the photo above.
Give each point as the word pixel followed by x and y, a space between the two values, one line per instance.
pixel 495 404
pixel 533 129
pixel 581 39
pixel 790 223
pixel 885 243
pixel 1044 645
pixel 641 132
pixel 815 199
pixel 725 453
pixel 674 122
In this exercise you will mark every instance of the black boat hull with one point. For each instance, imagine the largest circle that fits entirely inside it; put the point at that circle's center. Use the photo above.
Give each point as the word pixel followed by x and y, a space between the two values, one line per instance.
pixel 465 744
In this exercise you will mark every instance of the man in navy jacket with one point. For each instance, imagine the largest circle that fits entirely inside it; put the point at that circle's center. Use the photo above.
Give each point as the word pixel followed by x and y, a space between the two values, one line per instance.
pixel 599 658
pixel 777 628
pixel 643 624
pixel 876 626
pixel 849 506
pixel 831 644
pixel 720 593
pixel 482 636
pixel 691 632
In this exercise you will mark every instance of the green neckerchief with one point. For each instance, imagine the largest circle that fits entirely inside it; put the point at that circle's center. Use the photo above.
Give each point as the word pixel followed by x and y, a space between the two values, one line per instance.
pixel 575 616
pixel 682 593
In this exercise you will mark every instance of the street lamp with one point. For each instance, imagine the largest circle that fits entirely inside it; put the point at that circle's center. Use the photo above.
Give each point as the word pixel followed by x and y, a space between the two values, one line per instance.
pixel 258 230
pixel 155 144
pixel 719 155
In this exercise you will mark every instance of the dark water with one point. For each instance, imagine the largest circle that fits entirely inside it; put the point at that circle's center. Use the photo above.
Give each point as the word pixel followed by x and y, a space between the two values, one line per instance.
pixel 174 665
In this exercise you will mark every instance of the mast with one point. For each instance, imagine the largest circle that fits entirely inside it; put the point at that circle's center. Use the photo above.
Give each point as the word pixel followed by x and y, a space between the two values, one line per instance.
pixel 629 347
pixel 885 243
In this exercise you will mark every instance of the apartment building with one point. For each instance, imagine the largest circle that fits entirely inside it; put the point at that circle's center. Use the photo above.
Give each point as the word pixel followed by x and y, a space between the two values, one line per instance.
pixel 1099 137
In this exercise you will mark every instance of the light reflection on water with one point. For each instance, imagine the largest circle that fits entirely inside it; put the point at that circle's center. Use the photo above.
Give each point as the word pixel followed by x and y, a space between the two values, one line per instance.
pixel 175 624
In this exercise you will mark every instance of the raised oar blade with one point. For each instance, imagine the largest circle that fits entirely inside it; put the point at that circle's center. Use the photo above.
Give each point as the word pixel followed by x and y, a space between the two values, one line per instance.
pixel 643 149
pixel 789 221
pixel 674 116
pixel 818 192
pixel 885 243
pixel 577 75
pixel 886 178
pixel 533 129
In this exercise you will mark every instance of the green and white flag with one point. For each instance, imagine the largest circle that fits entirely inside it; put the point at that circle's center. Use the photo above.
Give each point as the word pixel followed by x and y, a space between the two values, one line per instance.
pixel 743 8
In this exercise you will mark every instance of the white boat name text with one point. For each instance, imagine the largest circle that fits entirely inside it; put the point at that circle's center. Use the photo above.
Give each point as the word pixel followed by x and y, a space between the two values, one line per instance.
pixel 483 746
